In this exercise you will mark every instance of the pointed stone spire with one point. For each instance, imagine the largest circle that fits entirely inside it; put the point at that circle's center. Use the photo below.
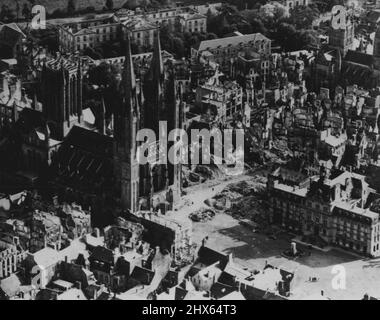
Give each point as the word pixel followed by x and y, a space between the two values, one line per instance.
pixel 129 79
pixel 102 120
pixel 157 65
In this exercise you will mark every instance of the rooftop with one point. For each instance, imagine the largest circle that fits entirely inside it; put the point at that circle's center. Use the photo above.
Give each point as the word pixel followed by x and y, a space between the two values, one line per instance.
pixel 231 41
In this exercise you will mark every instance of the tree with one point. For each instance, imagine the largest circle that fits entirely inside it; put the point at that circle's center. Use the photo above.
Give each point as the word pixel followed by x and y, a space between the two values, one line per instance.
pixel 6 13
pixel 286 36
pixel 258 26
pixel 303 17
pixel 211 36
pixel 308 38
pixel 71 7
pixel 26 12
pixel 109 4
pixel 178 47
pixel 104 74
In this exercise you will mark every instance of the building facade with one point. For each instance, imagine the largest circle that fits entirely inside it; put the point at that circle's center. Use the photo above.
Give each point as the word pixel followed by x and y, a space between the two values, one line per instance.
pixel 225 51
pixel 332 211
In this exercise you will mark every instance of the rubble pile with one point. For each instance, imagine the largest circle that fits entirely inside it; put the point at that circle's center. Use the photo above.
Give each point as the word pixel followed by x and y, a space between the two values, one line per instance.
pixel 200 174
pixel 240 199
pixel 278 153
pixel 202 215
pixel 246 207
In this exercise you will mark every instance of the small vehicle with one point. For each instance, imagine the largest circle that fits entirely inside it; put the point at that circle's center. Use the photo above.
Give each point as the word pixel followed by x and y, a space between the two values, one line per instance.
pixel 272 237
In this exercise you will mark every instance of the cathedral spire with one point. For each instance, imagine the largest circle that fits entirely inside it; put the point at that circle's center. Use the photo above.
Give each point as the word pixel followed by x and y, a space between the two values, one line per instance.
pixel 157 57
pixel 154 89
pixel 157 65
pixel 102 118
pixel 129 79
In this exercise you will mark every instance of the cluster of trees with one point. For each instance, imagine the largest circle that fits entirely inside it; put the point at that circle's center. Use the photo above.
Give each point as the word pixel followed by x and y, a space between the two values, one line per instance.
pixel 322 5
pixel 146 4
pixel 292 31
pixel 6 14
pixel 179 43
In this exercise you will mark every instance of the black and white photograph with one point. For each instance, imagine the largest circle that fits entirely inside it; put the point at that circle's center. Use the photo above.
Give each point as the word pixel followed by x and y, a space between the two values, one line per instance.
pixel 168 150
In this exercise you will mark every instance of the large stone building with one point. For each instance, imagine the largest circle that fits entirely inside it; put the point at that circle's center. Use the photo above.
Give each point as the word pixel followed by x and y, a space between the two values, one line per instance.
pixel 61 93
pixel 225 51
pixel 342 38
pixel 11 255
pixel 338 62
pixel 224 99
pixel 336 210
pixel 95 167
pixel 88 33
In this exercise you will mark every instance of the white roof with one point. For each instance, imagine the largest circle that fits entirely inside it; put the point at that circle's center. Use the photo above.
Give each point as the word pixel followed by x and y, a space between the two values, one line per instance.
pixel 236 295
pixel 72 294
pixel 233 41
pixel 46 257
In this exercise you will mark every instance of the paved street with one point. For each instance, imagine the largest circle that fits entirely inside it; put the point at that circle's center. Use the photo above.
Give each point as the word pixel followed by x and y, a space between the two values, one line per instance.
pixel 252 250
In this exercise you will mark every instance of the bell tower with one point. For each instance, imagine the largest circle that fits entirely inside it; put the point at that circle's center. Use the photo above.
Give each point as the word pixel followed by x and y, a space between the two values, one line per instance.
pixel 125 145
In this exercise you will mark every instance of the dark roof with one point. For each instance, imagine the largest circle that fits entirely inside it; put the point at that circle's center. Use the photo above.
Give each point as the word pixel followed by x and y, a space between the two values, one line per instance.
pixel 227 279
pixel 180 293
pixel 90 141
pixel 373 16
pixel 193 271
pixel 104 296
pixel 10 34
pixel 102 254
pixel 335 173
pixel 359 58
pixel 142 275
pixel 208 257
pixel 85 161
pixel 30 119
pixel 320 190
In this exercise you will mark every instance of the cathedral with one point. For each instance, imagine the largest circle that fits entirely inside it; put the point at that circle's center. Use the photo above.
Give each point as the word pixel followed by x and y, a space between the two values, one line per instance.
pixel 96 165
pixel 339 63
pixel 96 168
